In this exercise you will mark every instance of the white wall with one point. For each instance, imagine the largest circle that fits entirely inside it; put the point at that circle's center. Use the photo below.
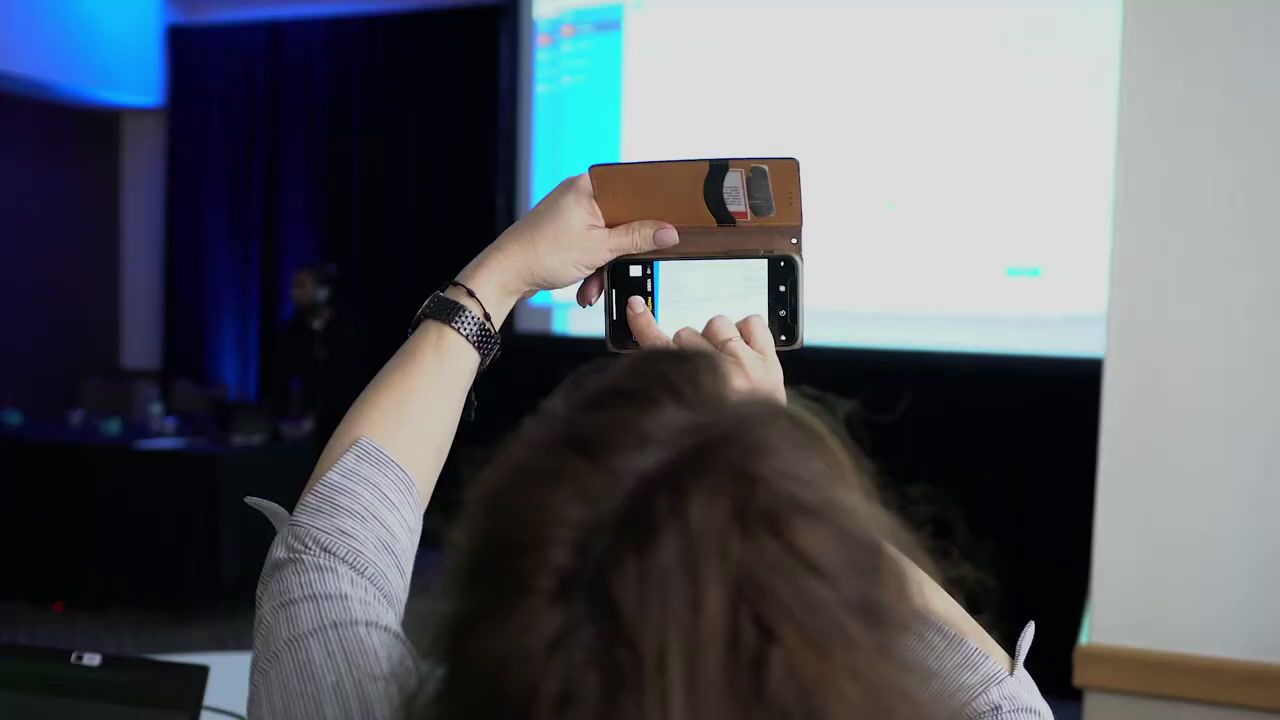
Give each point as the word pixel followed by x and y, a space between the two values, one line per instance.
pixel 98 52
pixel 143 145
pixel 1186 554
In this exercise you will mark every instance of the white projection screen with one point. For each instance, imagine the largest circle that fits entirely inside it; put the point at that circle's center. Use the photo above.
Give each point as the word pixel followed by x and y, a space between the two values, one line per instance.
pixel 956 156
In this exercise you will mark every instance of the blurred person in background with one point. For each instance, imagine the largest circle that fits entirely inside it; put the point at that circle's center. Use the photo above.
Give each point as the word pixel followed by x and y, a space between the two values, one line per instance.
pixel 663 540
pixel 319 360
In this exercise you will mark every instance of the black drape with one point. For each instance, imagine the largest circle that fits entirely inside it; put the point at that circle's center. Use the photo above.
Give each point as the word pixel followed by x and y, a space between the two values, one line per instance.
pixel 378 143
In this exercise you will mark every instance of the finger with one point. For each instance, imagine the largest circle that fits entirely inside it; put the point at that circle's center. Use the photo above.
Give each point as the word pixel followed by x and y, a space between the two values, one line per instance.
pixel 569 186
pixel 580 184
pixel 755 331
pixel 721 332
pixel 644 328
pixel 690 339
pixel 573 185
pixel 641 236
pixel 591 289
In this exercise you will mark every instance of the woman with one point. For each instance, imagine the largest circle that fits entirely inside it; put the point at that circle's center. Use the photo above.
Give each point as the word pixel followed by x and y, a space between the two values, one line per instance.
pixel 664 539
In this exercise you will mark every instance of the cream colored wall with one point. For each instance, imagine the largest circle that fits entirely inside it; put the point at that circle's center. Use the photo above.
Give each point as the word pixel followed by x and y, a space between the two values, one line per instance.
pixel 1186 554
pixel 1114 706
pixel 1187 521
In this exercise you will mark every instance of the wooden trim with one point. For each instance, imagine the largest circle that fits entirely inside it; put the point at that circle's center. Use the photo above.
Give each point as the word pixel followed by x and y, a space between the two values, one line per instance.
pixel 1199 678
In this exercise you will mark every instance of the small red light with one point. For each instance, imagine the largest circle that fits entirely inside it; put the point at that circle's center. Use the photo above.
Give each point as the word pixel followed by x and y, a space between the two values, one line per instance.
pixel 568 30
pixel 59 606
pixel 544 39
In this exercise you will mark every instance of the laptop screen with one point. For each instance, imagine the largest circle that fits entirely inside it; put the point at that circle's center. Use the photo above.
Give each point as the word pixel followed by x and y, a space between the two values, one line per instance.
pixel 47 682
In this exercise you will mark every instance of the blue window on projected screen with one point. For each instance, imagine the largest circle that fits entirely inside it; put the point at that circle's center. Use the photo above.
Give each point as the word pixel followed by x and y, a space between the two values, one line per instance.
pixel 577 94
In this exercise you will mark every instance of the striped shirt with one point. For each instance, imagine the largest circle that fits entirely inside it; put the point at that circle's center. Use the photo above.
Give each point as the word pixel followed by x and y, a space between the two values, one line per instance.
pixel 327 638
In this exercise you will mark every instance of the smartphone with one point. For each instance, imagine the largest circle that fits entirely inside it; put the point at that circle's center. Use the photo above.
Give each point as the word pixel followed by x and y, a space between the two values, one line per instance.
pixel 687 292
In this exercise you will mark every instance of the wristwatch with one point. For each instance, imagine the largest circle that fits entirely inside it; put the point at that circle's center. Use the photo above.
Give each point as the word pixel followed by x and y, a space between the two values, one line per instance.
pixel 444 309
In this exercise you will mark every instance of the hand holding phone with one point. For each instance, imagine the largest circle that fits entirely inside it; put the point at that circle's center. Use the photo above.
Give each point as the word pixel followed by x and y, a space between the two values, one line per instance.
pixel 740 227
pixel 746 348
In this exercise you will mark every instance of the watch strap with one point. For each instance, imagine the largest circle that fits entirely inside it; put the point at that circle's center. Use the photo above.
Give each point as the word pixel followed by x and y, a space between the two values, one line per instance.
pixel 444 309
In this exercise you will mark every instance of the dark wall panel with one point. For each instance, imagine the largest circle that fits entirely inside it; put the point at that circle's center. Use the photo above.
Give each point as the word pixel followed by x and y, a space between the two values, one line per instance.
pixel 59 188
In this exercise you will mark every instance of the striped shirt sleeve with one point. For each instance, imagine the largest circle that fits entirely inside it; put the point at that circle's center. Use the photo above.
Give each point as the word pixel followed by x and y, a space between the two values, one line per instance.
pixel 960 676
pixel 327 638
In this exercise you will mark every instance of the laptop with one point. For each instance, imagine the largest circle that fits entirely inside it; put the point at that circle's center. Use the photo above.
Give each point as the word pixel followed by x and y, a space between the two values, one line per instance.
pixel 73 684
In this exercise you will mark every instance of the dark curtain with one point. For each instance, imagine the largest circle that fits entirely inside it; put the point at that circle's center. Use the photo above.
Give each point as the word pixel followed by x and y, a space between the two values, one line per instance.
pixel 379 144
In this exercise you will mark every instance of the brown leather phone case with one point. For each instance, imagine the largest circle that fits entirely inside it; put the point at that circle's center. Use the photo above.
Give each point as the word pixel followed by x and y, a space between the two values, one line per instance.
pixel 722 208
pixel 730 207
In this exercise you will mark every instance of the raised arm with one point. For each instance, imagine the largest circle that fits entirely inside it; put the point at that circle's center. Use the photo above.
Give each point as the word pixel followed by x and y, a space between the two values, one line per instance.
pixel 411 408
pixel 327 637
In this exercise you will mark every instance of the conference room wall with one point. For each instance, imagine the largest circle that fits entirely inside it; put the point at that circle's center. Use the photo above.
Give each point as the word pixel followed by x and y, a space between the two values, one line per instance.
pixel 106 54
pixel 1185 541
pixel 59 234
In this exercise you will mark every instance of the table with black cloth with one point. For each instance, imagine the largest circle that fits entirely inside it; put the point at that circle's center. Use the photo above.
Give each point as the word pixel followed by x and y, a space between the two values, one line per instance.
pixel 90 522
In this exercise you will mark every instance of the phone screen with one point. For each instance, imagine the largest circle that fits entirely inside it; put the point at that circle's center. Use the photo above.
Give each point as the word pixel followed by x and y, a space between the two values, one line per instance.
pixel 689 292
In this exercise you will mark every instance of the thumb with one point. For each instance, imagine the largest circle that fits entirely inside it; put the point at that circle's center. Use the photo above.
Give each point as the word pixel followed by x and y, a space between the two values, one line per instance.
pixel 641 236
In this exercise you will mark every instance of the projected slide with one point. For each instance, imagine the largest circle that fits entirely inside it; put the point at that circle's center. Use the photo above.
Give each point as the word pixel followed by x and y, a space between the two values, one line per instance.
pixel 956 157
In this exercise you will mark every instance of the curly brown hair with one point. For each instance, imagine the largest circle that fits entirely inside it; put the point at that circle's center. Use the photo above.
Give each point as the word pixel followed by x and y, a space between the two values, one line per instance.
pixel 649 546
